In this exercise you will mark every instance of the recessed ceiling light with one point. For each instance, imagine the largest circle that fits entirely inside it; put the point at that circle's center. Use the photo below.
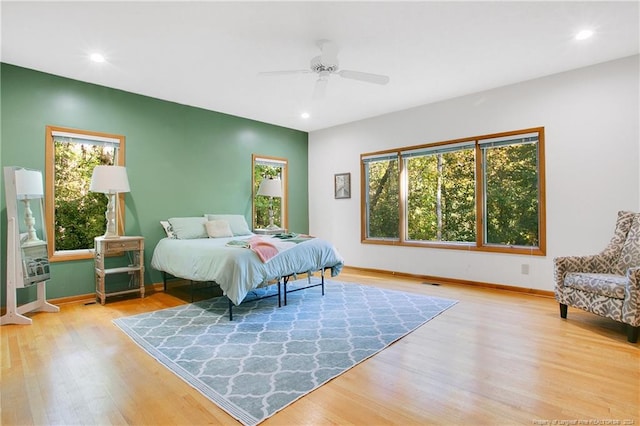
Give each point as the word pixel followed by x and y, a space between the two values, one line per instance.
pixel 96 57
pixel 305 115
pixel 584 34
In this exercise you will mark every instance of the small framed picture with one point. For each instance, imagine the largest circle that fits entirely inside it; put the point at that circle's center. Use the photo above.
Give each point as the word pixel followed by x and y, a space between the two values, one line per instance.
pixel 342 185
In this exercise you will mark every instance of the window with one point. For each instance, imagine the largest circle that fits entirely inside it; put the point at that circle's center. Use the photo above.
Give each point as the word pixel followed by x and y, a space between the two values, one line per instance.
pixel 511 203
pixel 74 215
pixel 441 193
pixel 481 193
pixel 269 167
pixel 381 174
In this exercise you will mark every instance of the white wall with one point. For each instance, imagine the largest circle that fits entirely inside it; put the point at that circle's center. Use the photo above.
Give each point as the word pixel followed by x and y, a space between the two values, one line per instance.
pixel 591 120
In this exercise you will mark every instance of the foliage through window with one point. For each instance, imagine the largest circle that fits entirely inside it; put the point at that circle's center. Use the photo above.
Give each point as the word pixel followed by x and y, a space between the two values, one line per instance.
pixel 76 215
pixel 480 193
pixel 269 167
pixel 511 201
pixel 382 196
pixel 441 193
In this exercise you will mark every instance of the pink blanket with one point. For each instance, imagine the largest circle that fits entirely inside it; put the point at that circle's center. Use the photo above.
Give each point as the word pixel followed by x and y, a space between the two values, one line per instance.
pixel 262 248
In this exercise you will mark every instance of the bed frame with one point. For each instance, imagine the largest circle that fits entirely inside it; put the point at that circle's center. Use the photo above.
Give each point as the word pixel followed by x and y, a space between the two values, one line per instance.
pixel 285 281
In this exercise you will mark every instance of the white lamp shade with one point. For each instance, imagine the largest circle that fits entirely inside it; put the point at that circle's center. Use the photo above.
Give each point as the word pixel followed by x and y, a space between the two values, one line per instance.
pixel 109 179
pixel 28 184
pixel 270 187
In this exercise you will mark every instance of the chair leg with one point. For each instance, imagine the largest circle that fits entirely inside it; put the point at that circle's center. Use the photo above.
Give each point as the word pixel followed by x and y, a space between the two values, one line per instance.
pixel 632 333
pixel 563 310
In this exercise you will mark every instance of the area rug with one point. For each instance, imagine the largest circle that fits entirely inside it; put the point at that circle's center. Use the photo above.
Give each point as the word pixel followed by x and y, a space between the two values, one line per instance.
pixel 268 357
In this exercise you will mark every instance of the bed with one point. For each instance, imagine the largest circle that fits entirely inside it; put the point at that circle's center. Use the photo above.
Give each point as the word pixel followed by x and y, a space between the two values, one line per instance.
pixel 233 261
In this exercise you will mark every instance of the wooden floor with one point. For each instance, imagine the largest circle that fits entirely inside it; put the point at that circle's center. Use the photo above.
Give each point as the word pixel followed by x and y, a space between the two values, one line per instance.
pixel 497 357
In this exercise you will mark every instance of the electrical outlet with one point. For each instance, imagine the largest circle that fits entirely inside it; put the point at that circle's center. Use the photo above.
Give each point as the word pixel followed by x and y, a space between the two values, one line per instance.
pixel 524 269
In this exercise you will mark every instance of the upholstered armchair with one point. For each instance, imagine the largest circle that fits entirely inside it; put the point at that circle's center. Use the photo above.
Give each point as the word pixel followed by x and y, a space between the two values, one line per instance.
pixel 606 284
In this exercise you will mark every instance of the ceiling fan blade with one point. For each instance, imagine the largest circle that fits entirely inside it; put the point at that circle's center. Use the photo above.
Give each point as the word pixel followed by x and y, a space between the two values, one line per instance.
pixel 320 88
pixel 329 51
pixel 364 76
pixel 286 72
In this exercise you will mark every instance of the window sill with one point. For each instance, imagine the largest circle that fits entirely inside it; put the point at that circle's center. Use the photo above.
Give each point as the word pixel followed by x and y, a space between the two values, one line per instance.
pixel 69 255
pixel 521 250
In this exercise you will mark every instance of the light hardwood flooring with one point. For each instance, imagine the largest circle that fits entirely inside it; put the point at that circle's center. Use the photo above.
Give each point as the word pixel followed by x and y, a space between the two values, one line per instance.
pixel 497 357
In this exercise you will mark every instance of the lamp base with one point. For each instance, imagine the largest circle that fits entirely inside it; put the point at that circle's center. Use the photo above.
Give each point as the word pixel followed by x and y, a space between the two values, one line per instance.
pixel 271 226
pixel 110 215
pixel 32 242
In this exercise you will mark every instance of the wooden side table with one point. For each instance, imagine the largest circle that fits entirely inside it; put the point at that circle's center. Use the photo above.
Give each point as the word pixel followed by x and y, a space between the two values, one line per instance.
pixel 133 247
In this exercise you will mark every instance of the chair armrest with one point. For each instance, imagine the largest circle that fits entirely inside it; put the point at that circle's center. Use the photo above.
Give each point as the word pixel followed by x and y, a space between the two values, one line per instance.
pixel 631 303
pixel 594 264
pixel 597 263
pixel 634 278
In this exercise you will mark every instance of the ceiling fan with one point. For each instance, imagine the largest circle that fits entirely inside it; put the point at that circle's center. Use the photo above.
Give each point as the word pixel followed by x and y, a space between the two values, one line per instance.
pixel 326 64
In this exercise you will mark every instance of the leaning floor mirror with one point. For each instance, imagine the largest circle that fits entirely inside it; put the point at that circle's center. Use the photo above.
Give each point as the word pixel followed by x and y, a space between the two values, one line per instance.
pixel 27 257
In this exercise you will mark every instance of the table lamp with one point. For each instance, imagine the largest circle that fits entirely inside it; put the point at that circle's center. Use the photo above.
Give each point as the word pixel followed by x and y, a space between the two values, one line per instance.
pixel 270 188
pixel 29 187
pixel 110 180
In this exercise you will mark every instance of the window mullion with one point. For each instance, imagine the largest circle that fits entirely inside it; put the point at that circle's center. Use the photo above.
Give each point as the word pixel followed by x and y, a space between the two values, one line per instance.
pixel 404 199
pixel 480 196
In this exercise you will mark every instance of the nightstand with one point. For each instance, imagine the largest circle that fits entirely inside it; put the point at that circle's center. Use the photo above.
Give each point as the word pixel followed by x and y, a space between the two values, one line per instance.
pixel 265 231
pixel 133 248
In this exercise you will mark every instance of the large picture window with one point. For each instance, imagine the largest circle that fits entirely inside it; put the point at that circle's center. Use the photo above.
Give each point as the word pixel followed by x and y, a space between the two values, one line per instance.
pixel 479 193
pixel 75 216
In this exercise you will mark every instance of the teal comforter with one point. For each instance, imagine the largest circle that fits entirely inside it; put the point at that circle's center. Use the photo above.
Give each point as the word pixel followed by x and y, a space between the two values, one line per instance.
pixel 238 270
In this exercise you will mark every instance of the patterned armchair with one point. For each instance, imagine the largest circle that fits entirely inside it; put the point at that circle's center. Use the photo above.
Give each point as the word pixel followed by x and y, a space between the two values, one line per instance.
pixel 606 284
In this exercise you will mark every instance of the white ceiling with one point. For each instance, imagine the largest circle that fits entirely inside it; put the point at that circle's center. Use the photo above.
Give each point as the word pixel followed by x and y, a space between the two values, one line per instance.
pixel 208 54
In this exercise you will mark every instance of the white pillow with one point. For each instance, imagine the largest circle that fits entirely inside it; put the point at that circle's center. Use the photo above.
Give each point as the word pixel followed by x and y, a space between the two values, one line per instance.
pixel 237 222
pixel 188 228
pixel 168 229
pixel 218 229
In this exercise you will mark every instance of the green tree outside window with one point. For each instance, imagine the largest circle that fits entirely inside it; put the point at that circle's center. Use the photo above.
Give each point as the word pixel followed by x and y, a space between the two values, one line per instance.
pixel 79 213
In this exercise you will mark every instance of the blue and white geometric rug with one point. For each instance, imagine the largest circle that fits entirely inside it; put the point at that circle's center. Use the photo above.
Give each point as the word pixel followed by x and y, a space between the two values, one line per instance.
pixel 268 357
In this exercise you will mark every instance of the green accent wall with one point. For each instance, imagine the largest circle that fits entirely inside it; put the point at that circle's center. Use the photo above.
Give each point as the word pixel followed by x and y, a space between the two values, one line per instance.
pixel 181 160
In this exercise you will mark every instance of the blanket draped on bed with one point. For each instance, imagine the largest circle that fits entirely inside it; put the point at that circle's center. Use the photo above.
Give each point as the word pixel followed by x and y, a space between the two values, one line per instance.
pixel 266 249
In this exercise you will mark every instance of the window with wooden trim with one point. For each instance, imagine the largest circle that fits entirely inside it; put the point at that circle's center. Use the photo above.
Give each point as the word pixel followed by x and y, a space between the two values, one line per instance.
pixel 381 174
pixel 266 167
pixel 75 215
pixel 480 193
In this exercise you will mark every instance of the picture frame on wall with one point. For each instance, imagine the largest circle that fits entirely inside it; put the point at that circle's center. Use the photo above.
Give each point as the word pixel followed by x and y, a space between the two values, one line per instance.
pixel 342 185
